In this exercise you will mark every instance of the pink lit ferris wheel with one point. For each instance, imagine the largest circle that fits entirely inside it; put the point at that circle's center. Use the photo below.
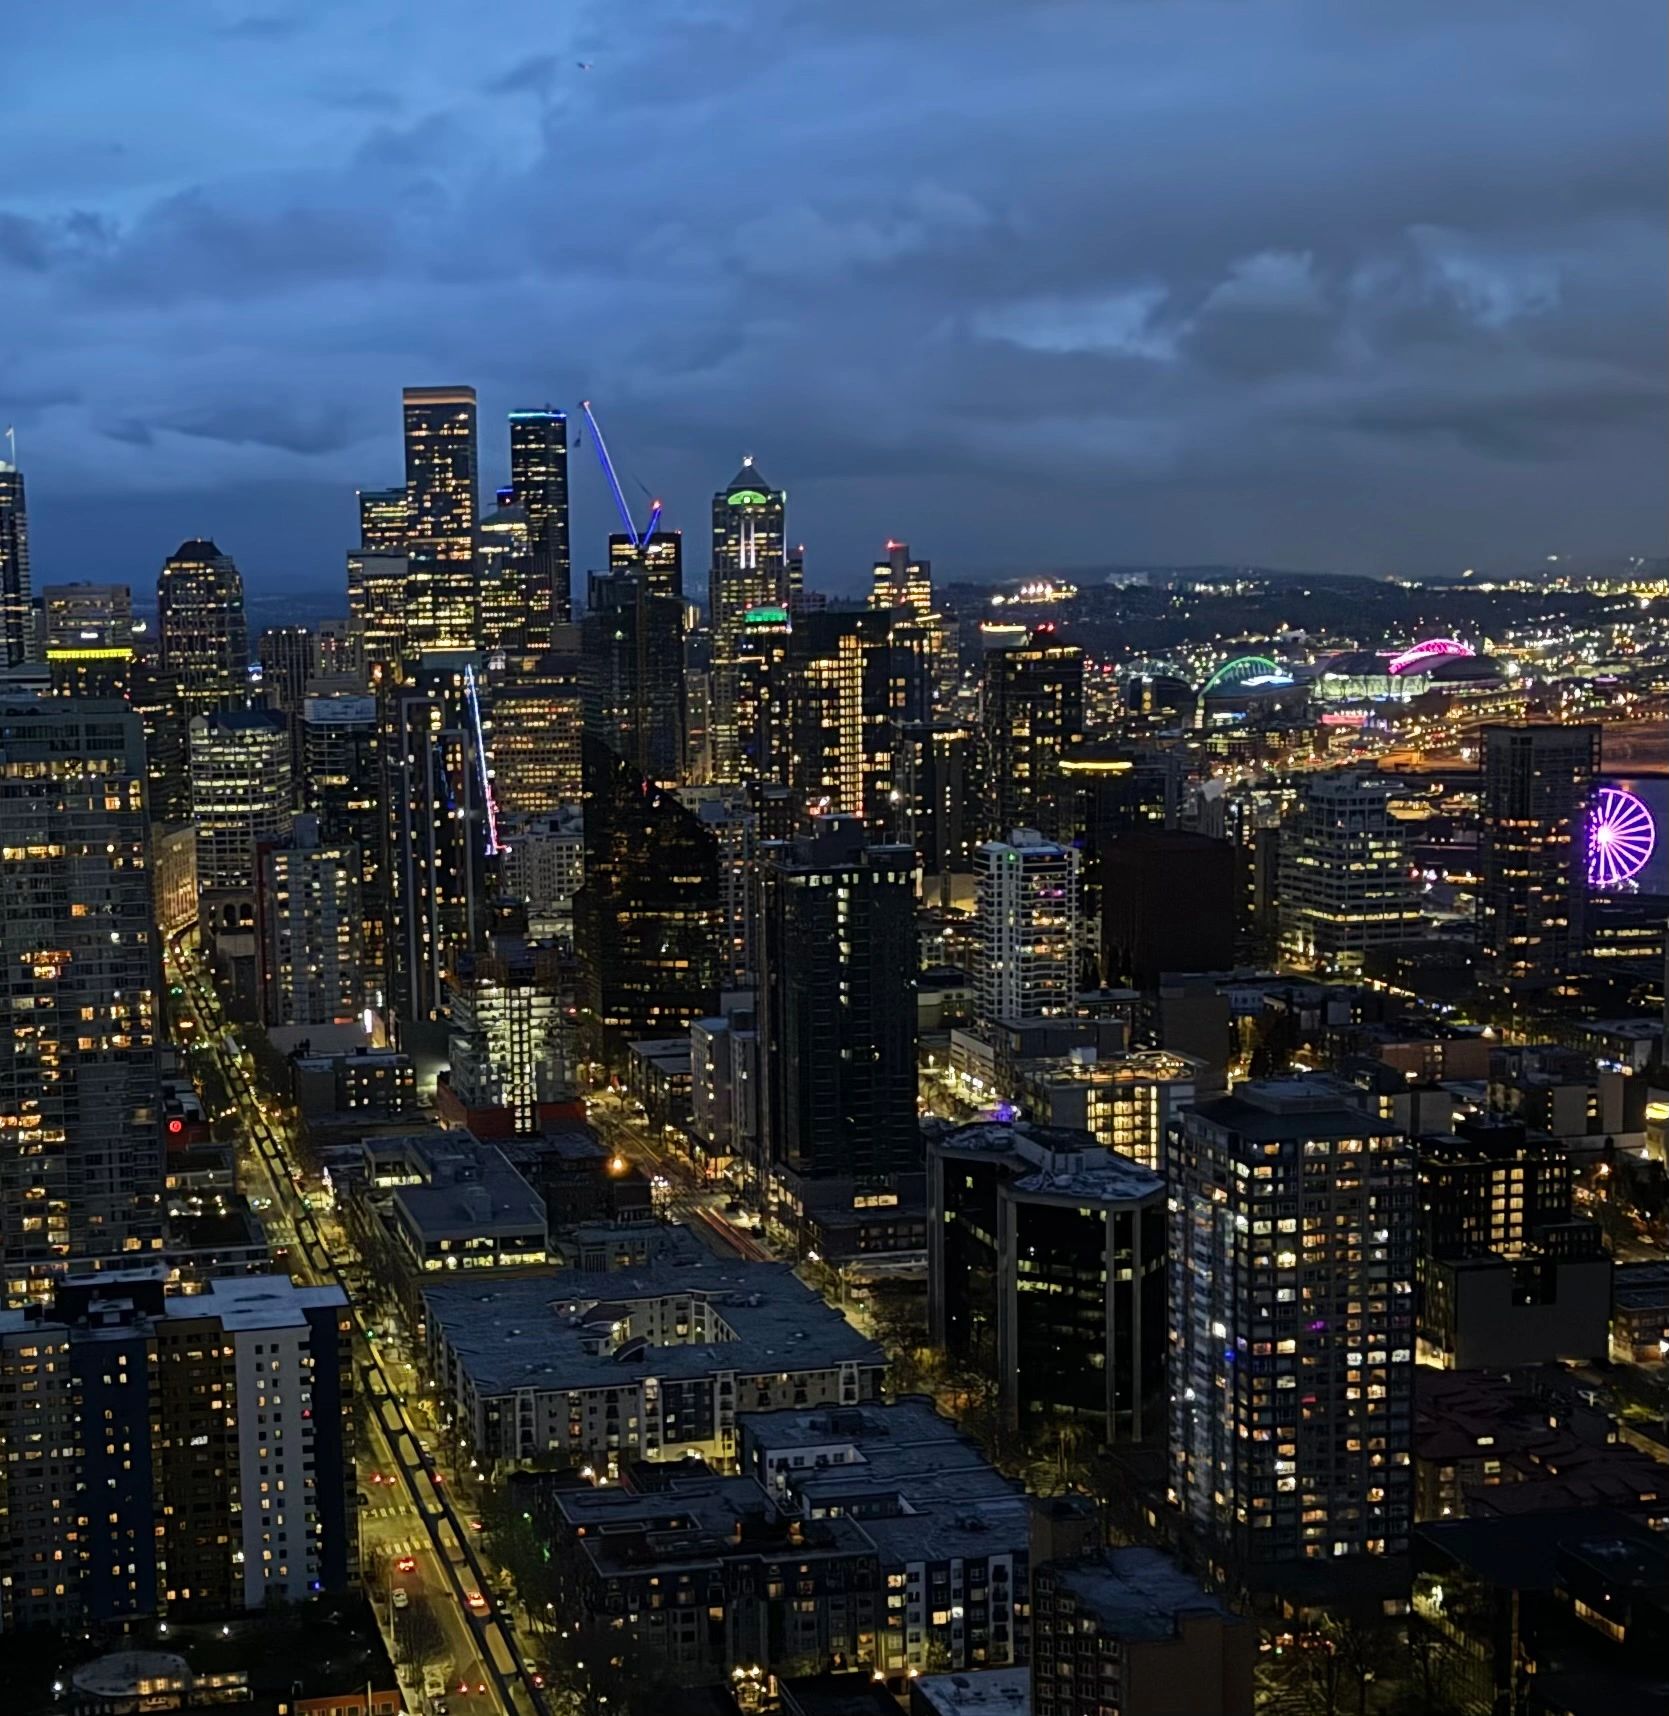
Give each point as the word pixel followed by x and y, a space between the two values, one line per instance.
pixel 1621 837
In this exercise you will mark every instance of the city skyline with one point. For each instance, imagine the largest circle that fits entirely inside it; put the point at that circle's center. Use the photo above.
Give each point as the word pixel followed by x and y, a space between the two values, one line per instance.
pixel 1181 316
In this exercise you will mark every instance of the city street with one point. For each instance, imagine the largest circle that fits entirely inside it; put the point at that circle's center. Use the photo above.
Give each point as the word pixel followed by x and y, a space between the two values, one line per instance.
pixel 408 1511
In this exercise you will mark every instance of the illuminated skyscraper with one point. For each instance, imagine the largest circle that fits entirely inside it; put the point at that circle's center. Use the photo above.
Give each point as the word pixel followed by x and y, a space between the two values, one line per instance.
pixel 89 639
pixel 659 557
pixel 377 612
pixel 515 606
pixel 80 1098
pixel 507 1047
pixel 853 674
pixel 442 505
pixel 1032 715
pixel 539 487
pixel 764 752
pixel 1532 854
pixel 382 521
pixel 240 793
pixel 203 631
pixel 1292 1325
pixel 749 571
pixel 536 710
pixel 900 582
pixel 17 620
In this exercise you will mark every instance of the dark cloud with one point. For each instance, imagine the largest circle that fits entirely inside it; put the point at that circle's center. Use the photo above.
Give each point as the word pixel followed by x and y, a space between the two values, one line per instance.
pixel 1179 279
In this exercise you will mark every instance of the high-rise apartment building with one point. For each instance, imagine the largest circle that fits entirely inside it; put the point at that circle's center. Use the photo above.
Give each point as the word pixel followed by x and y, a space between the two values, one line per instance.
pixel 312 946
pixel 649 921
pixel 80 1101
pixel 1167 903
pixel 837 1006
pixel 184 1455
pixel 901 581
pixel 1028 926
pixel 1292 1326
pixel 17 618
pixel 749 571
pixel 241 793
pixel 89 639
pixel 203 632
pixel 509 1038
pixel 539 488
pixel 1532 852
pixel 442 506
pixel 544 867
pixel 382 521
pixel 1031 719
pixel 632 673
pixel 1345 885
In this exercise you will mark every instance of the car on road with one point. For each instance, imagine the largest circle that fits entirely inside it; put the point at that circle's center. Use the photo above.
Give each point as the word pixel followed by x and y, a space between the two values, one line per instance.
pixel 401 1598
pixel 406 1564
pixel 364 1499
pixel 476 1603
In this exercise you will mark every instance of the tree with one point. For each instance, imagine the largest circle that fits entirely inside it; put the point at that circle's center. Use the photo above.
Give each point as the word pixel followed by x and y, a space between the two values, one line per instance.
pixel 418 1634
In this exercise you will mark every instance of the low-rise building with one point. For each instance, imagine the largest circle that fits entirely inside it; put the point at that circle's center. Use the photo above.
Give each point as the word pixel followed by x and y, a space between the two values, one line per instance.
pixel 1640 1313
pixel 629 1365
pixel 361 1084
pixel 1129 1630
pixel 1491 1443
pixel 951 1535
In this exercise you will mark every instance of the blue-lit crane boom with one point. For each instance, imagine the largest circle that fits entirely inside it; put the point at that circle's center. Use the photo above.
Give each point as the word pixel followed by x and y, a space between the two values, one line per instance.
pixel 639 538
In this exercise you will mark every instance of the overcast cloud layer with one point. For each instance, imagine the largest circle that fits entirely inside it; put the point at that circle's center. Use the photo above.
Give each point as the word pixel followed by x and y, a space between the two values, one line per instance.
pixel 1323 283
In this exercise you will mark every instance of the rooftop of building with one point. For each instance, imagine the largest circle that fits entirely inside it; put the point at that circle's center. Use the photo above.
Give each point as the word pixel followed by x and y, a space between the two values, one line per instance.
pixel 1053 1160
pixel 976 1692
pixel 542 1331
pixel 1523 1553
pixel 1288 1110
pixel 1135 1592
pixel 256 1301
pixel 855 1693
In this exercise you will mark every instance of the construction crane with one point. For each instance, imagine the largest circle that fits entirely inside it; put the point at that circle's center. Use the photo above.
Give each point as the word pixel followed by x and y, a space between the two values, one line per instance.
pixel 638 537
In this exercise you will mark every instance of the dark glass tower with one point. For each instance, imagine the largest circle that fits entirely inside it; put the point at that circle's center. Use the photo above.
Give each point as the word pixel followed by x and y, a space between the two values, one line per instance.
pixel 837 1006
pixel 203 630
pixel 1532 855
pixel 17 624
pixel 632 675
pixel 649 922
pixel 539 486
pixel 442 505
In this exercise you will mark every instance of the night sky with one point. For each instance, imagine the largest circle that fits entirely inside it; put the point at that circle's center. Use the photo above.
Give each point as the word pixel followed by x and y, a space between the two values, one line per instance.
pixel 1371 285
